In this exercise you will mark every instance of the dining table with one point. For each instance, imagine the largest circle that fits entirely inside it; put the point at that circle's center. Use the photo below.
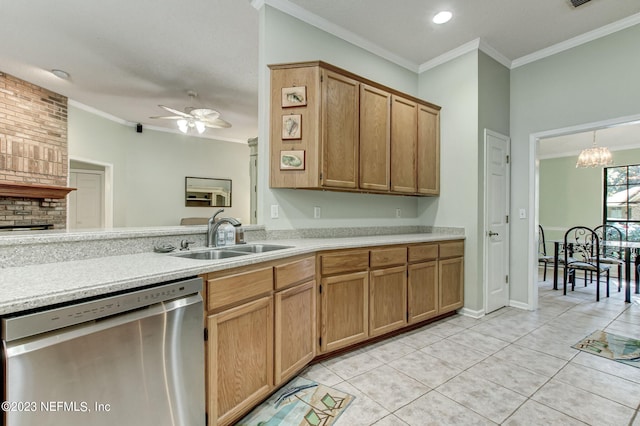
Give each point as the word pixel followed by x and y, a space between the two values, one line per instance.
pixel 627 246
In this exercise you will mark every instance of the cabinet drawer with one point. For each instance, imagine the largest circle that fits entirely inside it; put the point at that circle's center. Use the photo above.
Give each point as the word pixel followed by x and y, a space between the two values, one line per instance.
pixel 234 288
pixel 349 261
pixel 388 257
pixel 452 249
pixel 423 252
pixel 295 272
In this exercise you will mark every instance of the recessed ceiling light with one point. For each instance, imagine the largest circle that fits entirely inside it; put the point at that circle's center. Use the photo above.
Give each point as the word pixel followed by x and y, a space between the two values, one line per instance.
pixel 61 74
pixel 442 17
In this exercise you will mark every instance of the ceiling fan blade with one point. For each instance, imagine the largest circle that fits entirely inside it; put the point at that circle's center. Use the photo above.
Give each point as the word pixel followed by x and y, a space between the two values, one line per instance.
pixel 169 117
pixel 204 113
pixel 176 112
pixel 218 123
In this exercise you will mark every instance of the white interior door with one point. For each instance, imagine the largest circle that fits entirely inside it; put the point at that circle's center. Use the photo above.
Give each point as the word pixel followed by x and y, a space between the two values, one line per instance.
pixel 496 232
pixel 86 203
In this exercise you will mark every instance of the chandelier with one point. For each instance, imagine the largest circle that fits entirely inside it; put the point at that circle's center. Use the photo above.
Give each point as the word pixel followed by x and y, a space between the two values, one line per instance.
pixel 596 156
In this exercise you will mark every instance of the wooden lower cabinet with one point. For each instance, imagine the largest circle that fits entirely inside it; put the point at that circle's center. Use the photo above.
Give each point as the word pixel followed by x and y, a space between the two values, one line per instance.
pixel 423 291
pixel 240 359
pixel 387 300
pixel 451 278
pixel 344 310
pixel 295 326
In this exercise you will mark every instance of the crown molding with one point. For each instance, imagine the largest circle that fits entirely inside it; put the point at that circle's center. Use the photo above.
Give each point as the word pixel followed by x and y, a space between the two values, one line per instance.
pixel 450 55
pixel 578 40
pixel 338 31
pixel 257 4
pixel 97 112
pixel 493 53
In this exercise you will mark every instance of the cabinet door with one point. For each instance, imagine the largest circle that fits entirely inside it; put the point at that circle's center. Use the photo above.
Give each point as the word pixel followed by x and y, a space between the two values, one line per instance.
pixel 387 300
pixel 451 291
pixel 423 291
pixel 295 330
pixel 340 130
pixel 240 361
pixel 344 310
pixel 375 138
pixel 428 166
pixel 404 135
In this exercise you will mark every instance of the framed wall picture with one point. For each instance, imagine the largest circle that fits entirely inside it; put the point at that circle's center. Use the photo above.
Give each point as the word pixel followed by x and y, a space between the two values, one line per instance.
pixel 292 126
pixel 294 96
pixel 292 160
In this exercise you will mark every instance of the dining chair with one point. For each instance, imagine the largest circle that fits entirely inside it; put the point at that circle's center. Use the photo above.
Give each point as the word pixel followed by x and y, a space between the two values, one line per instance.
pixel 583 245
pixel 543 257
pixel 611 255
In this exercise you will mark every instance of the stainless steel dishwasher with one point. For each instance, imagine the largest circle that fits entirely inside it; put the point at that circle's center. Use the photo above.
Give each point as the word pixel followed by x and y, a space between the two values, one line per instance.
pixel 135 358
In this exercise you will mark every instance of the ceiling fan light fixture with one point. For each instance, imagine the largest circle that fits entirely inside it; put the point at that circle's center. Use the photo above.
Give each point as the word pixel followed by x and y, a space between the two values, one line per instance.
pixel 183 125
pixel 200 127
pixel 442 17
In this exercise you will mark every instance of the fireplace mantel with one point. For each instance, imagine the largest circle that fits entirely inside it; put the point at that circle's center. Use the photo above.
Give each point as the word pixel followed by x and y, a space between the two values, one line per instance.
pixel 27 190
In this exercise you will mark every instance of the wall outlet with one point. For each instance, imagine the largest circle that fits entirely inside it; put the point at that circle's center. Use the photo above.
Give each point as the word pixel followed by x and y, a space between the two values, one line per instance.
pixel 316 212
pixel 398 213
pixel 522 214
pixel 275 211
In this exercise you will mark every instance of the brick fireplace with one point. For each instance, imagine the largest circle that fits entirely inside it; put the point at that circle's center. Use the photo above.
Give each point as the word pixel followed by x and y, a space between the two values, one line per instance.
pixel 33 154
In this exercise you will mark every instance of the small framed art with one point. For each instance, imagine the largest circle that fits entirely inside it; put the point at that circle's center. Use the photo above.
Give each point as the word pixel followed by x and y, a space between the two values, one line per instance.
pixel 292 160
pixel 294 96
pixel 292 126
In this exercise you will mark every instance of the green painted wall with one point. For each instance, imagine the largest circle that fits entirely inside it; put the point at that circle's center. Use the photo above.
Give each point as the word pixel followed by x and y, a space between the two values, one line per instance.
pixel 285 39
pixel 593 82
pixel 149 169
pixel 571 196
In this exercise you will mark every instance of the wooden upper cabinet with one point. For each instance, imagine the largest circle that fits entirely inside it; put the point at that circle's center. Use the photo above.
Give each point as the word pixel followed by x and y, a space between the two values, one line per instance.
pixel 428 166
pixel 340 132
pixel 352 134
pixel 375 138
pixel 404 142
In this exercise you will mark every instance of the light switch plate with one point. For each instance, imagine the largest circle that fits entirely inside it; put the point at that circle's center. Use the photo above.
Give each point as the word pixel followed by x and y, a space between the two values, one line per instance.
pixel 398 213
pixel 316 212
pixel 523 214
pixel 275 211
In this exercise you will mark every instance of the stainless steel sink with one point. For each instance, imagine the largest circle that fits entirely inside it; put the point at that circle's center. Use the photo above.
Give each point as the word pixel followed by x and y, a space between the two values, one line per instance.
pixel 232 251
pixel 255 248
pixel 210 254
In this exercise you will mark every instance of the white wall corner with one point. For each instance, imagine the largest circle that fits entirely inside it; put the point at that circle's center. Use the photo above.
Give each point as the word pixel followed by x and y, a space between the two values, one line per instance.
pixel 520 305
pixel 471 313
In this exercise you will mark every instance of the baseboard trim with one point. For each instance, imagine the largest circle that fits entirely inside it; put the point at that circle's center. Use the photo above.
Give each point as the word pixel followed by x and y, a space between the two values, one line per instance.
pixel 471 313
pixel 520 305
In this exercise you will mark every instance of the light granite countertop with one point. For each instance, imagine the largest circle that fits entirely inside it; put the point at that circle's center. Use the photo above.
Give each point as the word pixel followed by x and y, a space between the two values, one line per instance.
pixel 35 286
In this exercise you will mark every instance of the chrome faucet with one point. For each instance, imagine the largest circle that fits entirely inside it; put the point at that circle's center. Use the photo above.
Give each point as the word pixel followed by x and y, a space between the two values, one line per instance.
pixel 212 227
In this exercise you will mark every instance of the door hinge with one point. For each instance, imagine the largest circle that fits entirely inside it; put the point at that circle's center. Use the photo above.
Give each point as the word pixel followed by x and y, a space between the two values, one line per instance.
pixel 507 218
pixel 320 288
pixel 206 334
pixel 507 159
pixel 321 176
pixel 321 78
pixel 320 341
pixel 506 279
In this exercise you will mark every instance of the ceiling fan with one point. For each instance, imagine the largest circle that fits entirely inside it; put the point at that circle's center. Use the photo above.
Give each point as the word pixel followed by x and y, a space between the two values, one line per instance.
pixel 194 118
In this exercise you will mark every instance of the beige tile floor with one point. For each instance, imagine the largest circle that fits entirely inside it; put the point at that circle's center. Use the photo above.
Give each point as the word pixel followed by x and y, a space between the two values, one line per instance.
pixel 511 367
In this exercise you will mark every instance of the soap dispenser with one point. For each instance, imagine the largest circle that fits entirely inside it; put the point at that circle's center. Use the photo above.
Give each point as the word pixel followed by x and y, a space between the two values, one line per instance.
pixel 230 235
pixel 221 235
